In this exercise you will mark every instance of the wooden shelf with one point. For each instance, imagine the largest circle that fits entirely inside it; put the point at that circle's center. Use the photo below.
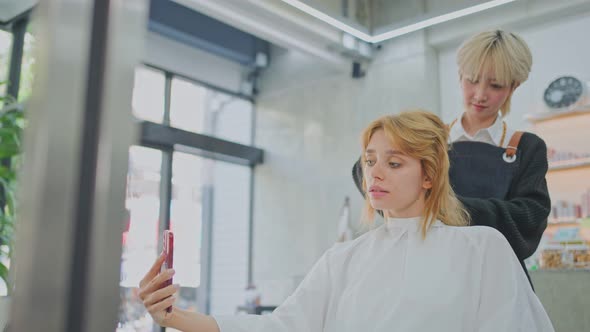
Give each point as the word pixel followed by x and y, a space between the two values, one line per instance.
pixel 563 223
pixel 550 115
pixel 569 164
pixel 583 222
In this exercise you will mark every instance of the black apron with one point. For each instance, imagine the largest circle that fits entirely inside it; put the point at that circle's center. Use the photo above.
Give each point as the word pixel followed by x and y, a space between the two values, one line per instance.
pixel 482 170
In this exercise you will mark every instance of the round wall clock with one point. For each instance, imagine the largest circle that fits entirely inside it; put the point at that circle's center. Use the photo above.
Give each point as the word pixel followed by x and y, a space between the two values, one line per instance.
pixel 563 92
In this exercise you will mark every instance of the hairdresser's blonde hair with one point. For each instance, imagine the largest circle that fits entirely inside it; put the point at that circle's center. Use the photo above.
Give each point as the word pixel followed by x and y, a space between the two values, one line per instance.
pixel 423 136
pixel 505 52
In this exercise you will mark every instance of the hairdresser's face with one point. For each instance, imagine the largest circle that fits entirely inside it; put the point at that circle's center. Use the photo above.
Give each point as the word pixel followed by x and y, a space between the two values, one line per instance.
pixel 395 181
pixel 483 97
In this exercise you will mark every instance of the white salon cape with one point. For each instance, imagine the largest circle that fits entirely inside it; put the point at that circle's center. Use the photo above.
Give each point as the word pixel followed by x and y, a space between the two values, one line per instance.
pixel 390 279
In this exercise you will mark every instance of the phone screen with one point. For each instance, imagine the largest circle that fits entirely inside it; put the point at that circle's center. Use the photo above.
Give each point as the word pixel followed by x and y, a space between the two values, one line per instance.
pixel 168 248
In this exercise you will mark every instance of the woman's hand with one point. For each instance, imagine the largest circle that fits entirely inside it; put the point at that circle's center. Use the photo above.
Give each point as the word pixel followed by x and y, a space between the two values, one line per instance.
pixel 155 298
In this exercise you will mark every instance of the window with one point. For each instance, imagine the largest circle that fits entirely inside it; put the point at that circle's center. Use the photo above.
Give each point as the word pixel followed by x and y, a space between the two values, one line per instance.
pixel 222 188
pixel 140 236
pixel 5 49
pixel 186 215
pixel 202 110
pixel 230 236
pixel 233 118
pixel 27 69
pixel 27 61
pixel 209 199
pixel 187 105
pixel 148 94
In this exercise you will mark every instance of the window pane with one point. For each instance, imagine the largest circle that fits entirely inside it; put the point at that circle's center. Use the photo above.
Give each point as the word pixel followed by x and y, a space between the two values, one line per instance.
pixel 233 118
pixel 206 111
pixel 230 242
pixel 5 49
pixel 223 189
pixel 140 237
pixel 27 69
pixel 187 106
pixel 185 221
pixel 148 94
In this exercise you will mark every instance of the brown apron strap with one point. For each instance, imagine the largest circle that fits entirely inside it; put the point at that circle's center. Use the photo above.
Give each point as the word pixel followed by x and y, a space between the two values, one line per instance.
pixel 449 126
pixel 513 144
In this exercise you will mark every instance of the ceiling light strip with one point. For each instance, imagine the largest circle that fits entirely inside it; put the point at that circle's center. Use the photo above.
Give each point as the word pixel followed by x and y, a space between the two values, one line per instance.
pixel 328 19
pixel 395 32
pixel 437 19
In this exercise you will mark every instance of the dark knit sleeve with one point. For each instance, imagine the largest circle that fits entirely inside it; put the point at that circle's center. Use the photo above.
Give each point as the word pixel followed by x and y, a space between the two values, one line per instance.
pixel 357 176
pixel 522 217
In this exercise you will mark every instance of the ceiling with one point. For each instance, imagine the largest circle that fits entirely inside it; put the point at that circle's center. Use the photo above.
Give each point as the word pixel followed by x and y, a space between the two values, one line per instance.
pixel 284 23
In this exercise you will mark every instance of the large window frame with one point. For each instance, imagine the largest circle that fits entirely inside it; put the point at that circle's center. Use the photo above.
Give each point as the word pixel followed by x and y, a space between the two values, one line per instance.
pixel 168 139
pixel 18 28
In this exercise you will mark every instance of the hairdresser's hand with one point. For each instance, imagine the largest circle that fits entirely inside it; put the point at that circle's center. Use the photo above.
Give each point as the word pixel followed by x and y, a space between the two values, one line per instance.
pixel 155 298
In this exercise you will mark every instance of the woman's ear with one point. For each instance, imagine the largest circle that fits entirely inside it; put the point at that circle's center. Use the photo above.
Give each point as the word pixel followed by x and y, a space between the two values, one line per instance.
pixel 426 183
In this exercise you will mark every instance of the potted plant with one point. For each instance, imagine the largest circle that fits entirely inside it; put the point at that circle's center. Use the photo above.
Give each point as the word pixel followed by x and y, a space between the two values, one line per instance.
pixel 11 125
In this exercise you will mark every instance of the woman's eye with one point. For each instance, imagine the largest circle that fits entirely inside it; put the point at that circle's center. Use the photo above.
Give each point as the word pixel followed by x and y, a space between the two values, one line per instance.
pixel 394 165
pixel 497 86
pixel 370 162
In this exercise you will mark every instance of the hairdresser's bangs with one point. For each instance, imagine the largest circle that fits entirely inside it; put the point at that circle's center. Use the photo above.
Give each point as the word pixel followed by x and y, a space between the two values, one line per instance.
pixel 485 60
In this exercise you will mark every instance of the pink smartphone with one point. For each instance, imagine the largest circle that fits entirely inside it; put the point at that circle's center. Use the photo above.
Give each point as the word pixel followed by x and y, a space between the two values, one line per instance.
pixel 168 249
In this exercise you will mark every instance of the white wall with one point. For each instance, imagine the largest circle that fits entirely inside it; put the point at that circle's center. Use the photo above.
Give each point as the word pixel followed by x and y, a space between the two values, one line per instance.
pixel 309 119
pixel 558 47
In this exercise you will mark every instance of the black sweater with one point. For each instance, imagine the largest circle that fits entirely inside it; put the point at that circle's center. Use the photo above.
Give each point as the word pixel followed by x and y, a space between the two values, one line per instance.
pixel 522 216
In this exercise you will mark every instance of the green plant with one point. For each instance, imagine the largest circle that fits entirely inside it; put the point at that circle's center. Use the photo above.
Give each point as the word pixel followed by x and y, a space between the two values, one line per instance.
pixel 12 122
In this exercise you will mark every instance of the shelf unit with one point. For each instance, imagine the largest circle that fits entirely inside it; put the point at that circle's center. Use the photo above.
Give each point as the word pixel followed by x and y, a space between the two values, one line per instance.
pixel 566 131
pixel 552 115
pixel 563 165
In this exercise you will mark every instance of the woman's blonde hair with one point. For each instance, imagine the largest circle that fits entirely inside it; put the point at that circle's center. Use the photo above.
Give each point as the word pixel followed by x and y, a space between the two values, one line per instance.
pixel 506 53
pixel 423 136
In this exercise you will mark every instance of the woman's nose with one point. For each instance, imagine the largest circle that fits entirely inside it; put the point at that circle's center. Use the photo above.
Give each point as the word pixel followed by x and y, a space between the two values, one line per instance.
pixel 480 93
pixel 376 172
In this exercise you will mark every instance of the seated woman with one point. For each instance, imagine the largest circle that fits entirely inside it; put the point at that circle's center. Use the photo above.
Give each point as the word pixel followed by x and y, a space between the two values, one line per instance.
pixel 419 271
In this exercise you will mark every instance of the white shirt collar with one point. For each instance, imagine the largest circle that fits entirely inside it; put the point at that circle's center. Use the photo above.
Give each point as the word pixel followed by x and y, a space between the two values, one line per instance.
pixel 407 223
pixel 492 134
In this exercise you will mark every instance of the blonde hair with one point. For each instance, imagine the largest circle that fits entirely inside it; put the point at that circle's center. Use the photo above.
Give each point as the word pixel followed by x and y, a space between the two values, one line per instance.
pixel 423 136
pixel 505 52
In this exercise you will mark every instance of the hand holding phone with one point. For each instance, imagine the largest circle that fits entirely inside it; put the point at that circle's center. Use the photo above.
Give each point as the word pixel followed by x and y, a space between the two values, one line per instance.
pixel 168 249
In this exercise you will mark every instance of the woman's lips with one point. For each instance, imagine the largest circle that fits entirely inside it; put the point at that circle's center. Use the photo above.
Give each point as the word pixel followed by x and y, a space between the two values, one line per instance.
pixel 479 107
pixel 377 192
